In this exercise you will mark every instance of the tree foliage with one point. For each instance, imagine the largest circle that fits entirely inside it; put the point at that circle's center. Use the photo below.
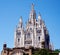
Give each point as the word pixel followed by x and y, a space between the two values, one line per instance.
pixel 45 52
pixel 41 52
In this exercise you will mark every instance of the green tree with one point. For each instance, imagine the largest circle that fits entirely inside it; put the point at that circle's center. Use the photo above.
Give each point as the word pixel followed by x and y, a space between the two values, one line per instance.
pixel 41 52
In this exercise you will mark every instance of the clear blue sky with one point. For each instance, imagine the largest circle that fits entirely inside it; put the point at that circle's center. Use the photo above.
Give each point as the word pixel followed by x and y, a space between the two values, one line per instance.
pixel 11 10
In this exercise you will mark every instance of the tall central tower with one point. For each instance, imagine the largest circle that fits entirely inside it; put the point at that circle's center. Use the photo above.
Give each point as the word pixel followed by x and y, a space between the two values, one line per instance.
pixel 35 34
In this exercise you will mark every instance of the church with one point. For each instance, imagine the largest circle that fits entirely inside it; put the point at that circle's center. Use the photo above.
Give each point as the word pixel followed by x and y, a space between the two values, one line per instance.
pixel 34 36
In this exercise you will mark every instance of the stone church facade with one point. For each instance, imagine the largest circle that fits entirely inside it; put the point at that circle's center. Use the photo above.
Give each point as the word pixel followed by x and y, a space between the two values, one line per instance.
pixel 34 36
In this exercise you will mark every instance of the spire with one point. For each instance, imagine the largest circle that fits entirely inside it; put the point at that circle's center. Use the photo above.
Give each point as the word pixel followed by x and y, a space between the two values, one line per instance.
pixel 20 22
pixel 32 6
pixel 32 9
pixel 39 16
pixel 32 14
pixel 39 19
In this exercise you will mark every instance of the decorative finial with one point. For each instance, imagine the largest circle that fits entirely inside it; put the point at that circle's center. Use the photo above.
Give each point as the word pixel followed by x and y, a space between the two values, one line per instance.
pixel 20 19
pixel 39 16
pixel 32 6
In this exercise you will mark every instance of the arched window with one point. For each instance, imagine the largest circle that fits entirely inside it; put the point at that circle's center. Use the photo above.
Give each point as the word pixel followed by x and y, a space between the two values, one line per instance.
pixel 28 35
pixel 18 40
pixel 30 28
pixel 18 33
pixel 38 31
pixel 39 38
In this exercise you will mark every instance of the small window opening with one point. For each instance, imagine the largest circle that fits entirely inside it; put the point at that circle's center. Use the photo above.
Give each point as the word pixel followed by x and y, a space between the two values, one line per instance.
pixel 39 38
pixel 18 40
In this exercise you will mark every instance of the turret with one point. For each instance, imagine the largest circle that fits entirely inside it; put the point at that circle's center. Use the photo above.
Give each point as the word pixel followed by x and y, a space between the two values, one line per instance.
pixel 32 15
pixel 19 34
